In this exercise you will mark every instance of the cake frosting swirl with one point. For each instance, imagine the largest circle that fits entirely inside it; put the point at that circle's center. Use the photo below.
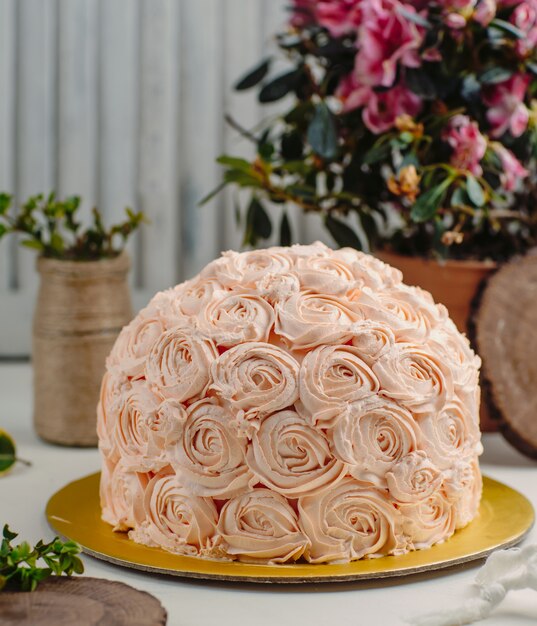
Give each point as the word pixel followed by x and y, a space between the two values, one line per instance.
pixel 291 403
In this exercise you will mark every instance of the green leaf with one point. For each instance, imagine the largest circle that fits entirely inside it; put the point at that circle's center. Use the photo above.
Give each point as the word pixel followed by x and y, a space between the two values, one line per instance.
pixel 302 191
pixel 243 179
pixel 235 163
pixel 280 86
pixel 32 243
pixel 285 230
pixel 265 150
pixel 428 202
pixel 343 234
pixel 495 75
pixel 370 228
pixel 3 230
pixel 377 153
pixel 254 76
pixel 322 133
pixel 5 203
pixel 78 566
pixel 258 224
pixel 459 197
pixel 8 534
pixel 56 242
pixel 507 27
pixel 474 191
pixel 212 194
pixel 8 458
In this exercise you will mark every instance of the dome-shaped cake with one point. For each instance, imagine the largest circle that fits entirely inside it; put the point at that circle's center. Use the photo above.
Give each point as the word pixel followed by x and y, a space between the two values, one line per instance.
pixel 291 403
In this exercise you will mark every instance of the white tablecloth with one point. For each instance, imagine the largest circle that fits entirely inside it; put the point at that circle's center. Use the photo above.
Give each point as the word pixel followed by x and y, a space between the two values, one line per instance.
pixel 25 491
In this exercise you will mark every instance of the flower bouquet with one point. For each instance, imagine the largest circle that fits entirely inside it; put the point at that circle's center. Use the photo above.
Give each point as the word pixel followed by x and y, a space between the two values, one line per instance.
pixel 409 123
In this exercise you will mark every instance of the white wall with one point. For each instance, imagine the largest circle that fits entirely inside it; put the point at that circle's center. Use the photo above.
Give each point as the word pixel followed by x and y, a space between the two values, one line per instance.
pixel 122 102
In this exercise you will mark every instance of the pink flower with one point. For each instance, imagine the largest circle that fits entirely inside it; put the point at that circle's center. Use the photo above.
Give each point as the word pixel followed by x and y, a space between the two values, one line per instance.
pixel 455 21
pixel 352 93
pixel 303 13
pixel 524 17
pixel 384 108
pixel 386 39
pixel 508 111
pixel 339 16
pixel 485 12
pixel 513 170
pixel 381 109
pixel 468 144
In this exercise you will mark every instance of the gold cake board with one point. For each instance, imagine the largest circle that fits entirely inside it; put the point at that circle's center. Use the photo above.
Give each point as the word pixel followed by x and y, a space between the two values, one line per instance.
pixel 504 519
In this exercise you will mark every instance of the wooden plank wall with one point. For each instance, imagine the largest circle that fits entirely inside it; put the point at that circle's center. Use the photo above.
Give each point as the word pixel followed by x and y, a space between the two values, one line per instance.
pixel 123 102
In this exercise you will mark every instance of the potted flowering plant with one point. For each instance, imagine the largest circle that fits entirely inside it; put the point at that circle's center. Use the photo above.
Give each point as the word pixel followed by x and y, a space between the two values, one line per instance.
pixel 410 129
pixel 83 303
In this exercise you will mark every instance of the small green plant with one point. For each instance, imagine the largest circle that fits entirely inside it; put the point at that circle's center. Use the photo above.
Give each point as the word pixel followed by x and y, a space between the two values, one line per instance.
pixel 23 567
pixel 53 227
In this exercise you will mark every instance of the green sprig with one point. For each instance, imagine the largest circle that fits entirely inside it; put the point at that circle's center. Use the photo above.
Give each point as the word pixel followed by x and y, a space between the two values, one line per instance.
pixel 23 567
pixel 53 228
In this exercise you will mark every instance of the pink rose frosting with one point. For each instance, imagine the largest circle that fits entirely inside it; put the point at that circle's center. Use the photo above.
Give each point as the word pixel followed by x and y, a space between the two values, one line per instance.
pixel 261 526
pixel 373 435
pixel 416 377
pixel 350 521
pixel 209 456
pixel 324 274
pixel 429 521
pixel 463 486
pixel 175 519
pixel 178 364
pixel 248 268
pixel 450 435
pixel 255 379
pixel 291 457
pixel 372 339
pixel 330 378
pixel 232 318
pixel 133 344
pixel 413 478
pixel 146 427
pixel 121 495
pixel 308 319
pixel 292 404
pixel 196 294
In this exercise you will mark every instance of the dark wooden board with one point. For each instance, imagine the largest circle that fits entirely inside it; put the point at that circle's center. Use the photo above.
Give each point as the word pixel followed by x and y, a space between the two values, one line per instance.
pixel 506 337
pixel 80 601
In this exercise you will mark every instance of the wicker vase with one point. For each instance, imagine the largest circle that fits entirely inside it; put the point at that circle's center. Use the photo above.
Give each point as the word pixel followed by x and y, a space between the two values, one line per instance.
pixel 80 310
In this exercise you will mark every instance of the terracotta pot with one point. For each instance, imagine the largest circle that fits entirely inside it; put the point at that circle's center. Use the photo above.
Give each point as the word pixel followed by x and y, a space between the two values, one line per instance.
pixel 80 310
pixel 453 283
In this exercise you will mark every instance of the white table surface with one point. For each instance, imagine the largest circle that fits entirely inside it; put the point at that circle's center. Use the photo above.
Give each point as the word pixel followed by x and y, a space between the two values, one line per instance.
pixel 24 493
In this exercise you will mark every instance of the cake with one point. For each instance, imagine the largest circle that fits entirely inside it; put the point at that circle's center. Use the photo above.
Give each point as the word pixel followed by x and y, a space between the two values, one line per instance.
pixel 291 404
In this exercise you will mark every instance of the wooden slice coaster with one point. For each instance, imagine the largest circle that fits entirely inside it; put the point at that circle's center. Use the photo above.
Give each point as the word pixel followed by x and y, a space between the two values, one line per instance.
pixel 84 601
pixel 506 336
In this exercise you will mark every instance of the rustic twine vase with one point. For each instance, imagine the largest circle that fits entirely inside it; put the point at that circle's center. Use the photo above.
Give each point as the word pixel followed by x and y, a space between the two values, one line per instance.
pixel 81 307
pixel 456 284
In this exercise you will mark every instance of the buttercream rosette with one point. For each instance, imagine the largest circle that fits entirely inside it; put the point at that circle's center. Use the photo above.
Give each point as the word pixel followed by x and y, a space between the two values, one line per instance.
pixel 293 403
